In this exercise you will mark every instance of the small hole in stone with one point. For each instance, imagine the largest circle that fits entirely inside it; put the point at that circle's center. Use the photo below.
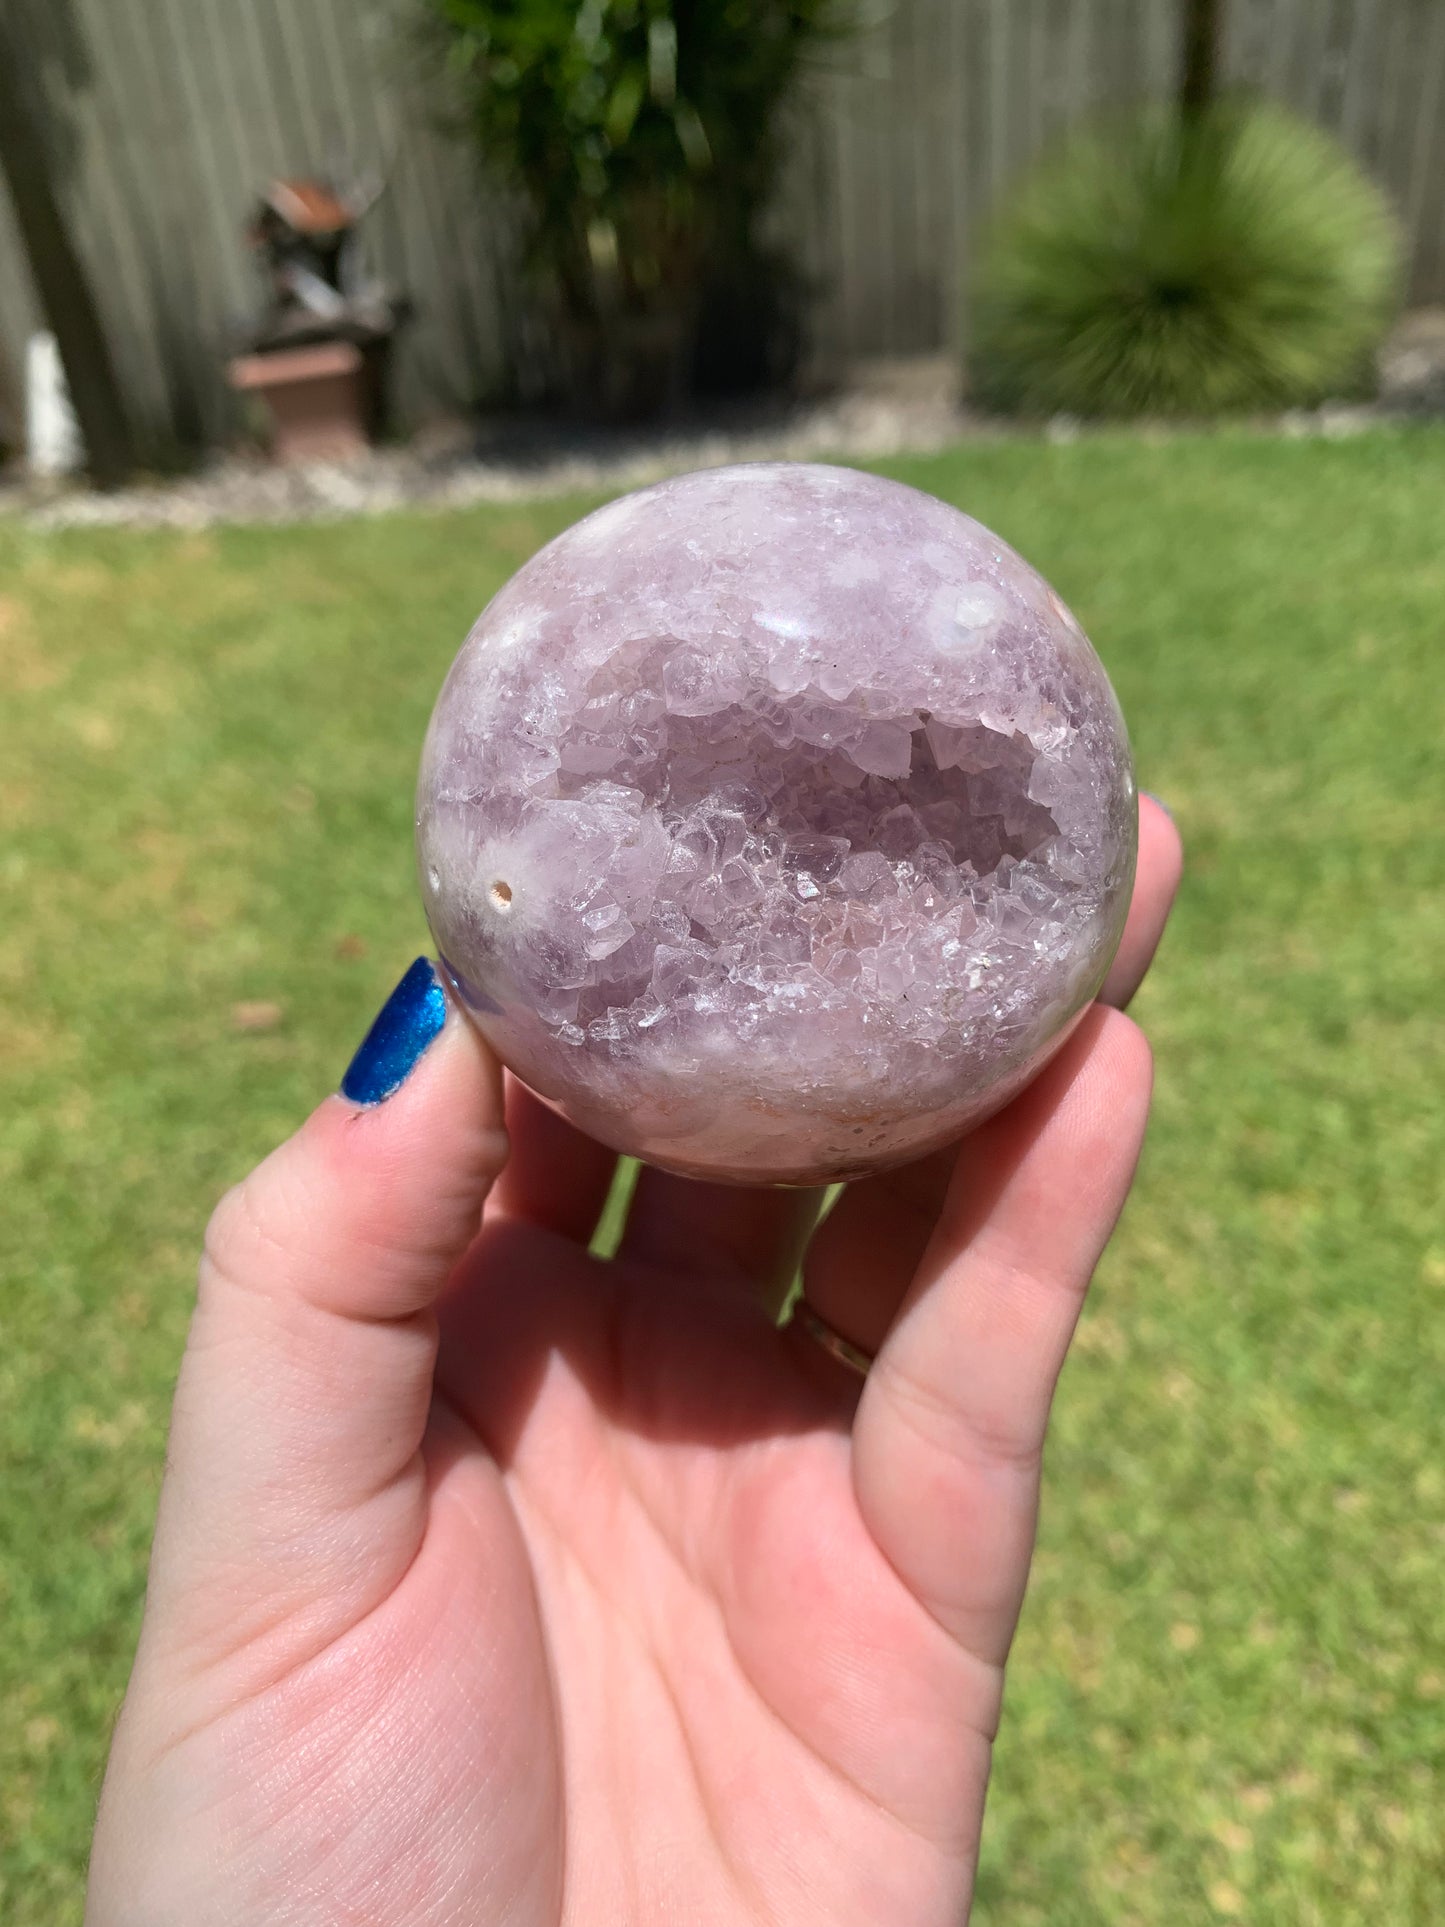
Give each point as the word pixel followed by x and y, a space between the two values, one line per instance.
pixel 433 877
pixel 501 895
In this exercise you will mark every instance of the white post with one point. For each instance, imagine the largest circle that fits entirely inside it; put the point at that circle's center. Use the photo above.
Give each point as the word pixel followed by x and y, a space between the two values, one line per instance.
pixel 52 434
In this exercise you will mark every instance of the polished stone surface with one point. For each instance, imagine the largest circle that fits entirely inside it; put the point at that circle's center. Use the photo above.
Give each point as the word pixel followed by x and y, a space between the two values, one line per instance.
pixel 776 823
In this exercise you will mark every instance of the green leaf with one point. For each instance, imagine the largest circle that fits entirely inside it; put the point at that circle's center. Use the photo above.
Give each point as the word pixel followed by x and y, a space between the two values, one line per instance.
pixel 692 135
pixel 622 109
pixel 662 61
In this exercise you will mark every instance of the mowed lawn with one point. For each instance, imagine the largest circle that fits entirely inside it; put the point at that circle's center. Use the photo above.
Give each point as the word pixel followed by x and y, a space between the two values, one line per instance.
pixel 1228 1697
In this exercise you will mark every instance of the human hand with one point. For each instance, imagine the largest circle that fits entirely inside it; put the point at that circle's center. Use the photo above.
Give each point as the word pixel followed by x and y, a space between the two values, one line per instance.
pixel 493 1583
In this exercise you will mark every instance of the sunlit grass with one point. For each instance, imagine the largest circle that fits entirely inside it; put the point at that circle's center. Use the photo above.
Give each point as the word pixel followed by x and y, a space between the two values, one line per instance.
pixel 1229 1694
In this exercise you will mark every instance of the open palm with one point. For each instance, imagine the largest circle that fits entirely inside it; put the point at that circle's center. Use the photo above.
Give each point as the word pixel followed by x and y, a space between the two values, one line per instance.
pixel 519 1586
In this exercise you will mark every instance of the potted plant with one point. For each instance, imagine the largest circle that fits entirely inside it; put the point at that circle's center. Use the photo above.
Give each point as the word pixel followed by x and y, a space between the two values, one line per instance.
pixel 317 359
pixel 644 139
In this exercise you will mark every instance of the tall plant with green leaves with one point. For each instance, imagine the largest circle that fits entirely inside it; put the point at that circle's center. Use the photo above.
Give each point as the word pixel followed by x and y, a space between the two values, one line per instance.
pixel 644 138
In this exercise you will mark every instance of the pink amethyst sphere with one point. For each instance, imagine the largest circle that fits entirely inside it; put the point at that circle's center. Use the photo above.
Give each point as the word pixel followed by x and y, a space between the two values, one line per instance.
pixel 776 823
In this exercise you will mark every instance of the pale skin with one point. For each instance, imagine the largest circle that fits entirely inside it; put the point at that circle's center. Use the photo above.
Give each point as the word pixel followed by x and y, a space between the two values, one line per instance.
pixel 496 1584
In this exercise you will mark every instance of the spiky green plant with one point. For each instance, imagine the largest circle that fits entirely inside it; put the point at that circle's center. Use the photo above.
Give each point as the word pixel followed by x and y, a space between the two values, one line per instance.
pixel 1195 266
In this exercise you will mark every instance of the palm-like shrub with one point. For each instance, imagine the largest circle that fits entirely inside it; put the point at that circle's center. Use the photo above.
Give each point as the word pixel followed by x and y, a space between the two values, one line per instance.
pixel 643 137
pixel 1184 265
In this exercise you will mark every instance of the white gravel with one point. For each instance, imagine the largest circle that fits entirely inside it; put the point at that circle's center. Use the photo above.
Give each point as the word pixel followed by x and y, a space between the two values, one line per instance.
pixel 885 408
pixel 889 408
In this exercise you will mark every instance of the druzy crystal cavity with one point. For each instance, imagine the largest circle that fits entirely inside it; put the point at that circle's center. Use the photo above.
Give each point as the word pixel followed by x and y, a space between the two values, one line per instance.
pixel 776 823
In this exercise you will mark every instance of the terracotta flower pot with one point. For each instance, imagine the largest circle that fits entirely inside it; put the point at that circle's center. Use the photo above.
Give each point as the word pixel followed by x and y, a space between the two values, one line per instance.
pixel 318 397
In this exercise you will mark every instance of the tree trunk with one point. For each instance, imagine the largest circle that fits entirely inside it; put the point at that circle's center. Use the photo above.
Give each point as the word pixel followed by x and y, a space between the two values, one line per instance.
pixel 1199 67
pixel 60 281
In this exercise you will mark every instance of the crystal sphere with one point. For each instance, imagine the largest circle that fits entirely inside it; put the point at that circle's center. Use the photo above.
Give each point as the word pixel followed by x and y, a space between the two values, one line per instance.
pixel 776 823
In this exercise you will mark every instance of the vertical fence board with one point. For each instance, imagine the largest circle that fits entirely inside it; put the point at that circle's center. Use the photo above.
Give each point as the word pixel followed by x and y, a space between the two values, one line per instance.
pixel 1422 185
pixel 953 107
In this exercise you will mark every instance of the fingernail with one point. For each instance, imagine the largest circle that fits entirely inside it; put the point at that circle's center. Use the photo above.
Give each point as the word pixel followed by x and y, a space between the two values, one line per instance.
pixel 1160 801
pixel 408 1021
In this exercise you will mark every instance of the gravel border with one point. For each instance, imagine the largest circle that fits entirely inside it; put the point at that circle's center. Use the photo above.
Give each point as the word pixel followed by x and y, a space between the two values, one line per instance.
pixel 885 408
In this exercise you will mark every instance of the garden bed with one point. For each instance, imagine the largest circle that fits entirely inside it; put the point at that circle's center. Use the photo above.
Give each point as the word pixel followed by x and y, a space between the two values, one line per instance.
pixel 883 408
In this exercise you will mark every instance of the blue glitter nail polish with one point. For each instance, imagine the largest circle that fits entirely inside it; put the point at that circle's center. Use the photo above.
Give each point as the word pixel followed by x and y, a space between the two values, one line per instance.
pixel 409 1020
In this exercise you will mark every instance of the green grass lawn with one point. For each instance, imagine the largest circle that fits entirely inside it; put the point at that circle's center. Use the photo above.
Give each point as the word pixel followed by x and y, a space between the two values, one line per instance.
pixel 1228 1699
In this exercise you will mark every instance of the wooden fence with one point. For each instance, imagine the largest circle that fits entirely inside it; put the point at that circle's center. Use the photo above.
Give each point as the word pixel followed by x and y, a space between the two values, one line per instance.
pixel 165 115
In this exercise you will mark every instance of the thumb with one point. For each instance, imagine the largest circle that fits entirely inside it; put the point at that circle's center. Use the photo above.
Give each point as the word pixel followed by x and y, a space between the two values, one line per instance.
pixel 295 1493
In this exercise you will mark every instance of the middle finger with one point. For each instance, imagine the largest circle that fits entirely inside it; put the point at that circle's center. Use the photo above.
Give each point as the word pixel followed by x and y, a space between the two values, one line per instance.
pixel 752 1234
